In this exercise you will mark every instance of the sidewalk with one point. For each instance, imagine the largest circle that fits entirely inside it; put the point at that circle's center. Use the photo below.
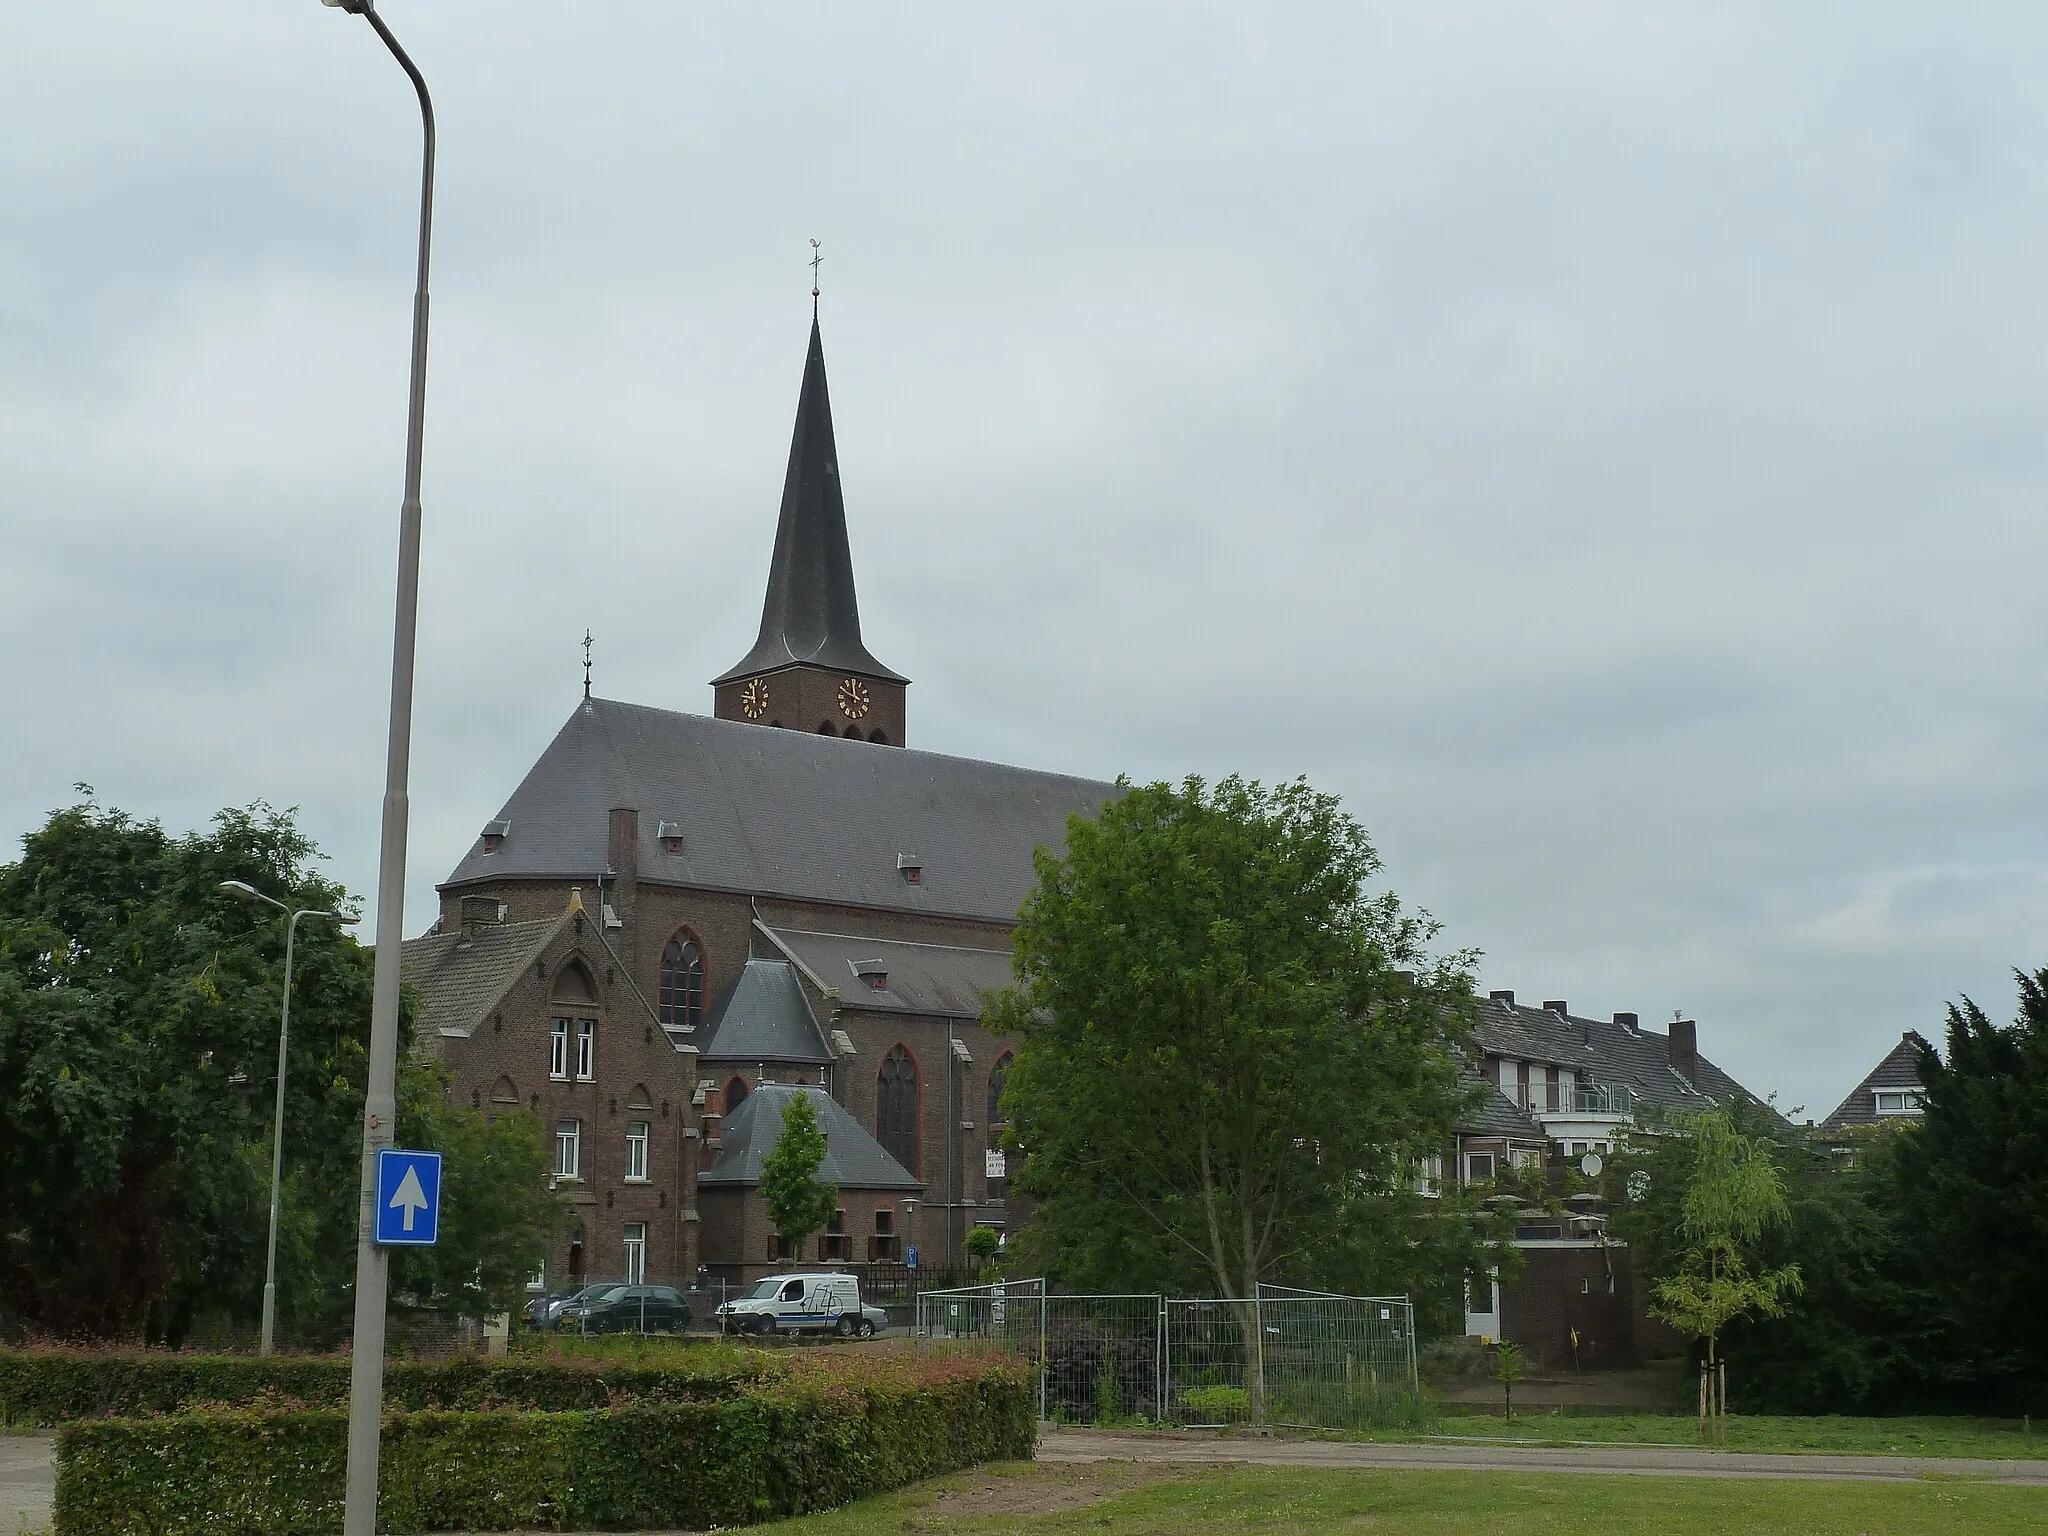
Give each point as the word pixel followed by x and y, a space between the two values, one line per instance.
pixel 28 1476
pixel 1201 1449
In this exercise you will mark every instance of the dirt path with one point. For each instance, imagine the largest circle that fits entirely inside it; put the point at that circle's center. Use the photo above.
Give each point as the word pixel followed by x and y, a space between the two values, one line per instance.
pixel 1198 1449
pixel 28 1476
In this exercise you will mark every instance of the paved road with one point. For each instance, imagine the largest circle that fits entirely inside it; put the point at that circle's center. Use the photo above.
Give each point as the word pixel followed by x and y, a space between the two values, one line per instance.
pixel 28 1473
pixel 1089 1445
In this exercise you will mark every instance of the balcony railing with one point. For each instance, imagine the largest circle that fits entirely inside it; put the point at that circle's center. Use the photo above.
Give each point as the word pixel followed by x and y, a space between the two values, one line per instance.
pixel 1603 1101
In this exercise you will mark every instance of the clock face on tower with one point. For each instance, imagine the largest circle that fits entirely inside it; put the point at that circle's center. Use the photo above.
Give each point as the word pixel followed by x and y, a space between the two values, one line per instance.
pixel 754 698
pixel 853 698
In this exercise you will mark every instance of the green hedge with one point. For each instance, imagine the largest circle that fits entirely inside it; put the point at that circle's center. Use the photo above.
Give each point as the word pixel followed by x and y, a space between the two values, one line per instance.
pixel 779 1450
pixel 53 1386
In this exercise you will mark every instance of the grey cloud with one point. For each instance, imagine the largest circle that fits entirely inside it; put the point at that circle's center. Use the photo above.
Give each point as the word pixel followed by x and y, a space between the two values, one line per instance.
pixel 1603 442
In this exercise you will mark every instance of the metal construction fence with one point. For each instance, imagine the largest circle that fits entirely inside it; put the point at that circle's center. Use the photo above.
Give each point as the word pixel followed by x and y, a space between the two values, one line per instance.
pixel 1282 1357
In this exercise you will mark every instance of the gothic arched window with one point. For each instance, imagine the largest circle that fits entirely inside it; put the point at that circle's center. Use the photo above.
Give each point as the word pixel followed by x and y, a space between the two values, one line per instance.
pixel 735 1095
pixel 682 983
pixel 896 1108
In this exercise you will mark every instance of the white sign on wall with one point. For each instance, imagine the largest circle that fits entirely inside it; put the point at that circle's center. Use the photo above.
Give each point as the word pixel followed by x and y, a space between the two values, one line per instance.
pixel 995 1165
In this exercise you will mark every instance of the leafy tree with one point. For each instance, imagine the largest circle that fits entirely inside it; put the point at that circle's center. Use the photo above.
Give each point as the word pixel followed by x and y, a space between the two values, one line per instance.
pixel 800 1204
pixel 1972 1189
pixel 1730 1195
pixel 1859 1339
pixel 138 1059
pixel 1230 1051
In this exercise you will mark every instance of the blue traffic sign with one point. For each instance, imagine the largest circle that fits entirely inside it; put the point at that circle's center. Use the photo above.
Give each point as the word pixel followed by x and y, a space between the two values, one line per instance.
pixel 408 1211
pixel 910 1259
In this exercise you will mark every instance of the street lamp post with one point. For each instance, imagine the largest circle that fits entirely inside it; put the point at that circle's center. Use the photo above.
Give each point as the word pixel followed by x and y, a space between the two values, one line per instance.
pixel 366 1372
pixel 249 892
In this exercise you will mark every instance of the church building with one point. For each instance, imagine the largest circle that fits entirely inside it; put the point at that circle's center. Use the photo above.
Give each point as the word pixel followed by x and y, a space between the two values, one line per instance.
pixel 673 910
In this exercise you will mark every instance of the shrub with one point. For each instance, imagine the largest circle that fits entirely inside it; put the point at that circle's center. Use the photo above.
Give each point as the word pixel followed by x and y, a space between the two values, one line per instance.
pixel 53 1386
pixel 809 1442
pixel 1218 1405
pixel 1094 1373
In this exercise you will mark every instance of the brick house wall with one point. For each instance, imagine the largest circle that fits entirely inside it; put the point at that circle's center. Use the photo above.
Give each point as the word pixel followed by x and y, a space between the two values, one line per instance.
pixel 505 1063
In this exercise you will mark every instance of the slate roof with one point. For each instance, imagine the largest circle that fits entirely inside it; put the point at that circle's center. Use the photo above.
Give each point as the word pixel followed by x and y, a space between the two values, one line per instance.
pixel 1499 1115
pixel 853 1158
pixel 783 813
pixel 763 1017
pixel 945 979
pixel 1603 1051
pixel 460 976
pixel 1899 1069
pixel 811 613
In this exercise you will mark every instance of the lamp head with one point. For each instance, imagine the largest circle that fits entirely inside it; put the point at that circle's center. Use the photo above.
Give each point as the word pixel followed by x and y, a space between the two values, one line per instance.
pixel 353 7
pixel 243 889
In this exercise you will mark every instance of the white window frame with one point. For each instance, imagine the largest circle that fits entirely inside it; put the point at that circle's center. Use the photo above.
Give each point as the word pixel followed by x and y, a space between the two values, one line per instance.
pixel 1492 1167
pixel 636 1252
pixel 638 1133
pixel 586 1050
pixel 569 1151
pixel 1908 1101
pixel 538 1280
pixel 558 1050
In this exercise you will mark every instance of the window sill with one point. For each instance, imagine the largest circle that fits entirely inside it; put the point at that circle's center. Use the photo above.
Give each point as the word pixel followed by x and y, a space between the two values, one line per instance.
pixel 641 1179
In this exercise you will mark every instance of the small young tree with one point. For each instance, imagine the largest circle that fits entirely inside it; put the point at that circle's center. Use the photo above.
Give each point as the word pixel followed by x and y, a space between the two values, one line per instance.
pixel 1507 1370
pixel 800 1204
pixel 983 1245
pixel 1733 1195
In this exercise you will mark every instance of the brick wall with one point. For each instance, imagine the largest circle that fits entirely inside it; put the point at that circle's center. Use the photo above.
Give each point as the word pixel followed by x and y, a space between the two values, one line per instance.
pixel 1566 1288
pixel 504 1063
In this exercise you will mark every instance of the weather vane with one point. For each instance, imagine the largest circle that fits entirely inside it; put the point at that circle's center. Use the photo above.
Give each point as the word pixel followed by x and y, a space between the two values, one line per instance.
pixel 586 663
pixel 816 259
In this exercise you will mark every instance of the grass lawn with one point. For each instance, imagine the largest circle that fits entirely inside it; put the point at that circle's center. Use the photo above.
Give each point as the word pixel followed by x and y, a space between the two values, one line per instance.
pixel 1986 1438
pixel 1109 1499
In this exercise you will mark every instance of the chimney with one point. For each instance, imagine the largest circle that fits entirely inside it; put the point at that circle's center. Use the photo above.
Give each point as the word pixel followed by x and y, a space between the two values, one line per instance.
pixel 1628 1021
pixel 622 852
pixel 1557 1006
pixel 1502 997
pixel 1685 1050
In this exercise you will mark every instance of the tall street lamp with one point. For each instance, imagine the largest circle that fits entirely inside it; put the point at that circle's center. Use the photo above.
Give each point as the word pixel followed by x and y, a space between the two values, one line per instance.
pixel 249 892
pixel 366 1372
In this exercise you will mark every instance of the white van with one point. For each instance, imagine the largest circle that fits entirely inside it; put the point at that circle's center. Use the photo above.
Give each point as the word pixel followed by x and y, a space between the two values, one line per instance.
pixel 820 1302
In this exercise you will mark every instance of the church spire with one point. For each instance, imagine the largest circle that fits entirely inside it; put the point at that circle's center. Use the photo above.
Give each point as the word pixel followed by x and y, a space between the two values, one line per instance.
pixel 811 616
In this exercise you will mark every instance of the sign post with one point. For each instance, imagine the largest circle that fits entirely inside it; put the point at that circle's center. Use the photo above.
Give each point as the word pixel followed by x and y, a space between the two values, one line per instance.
pixel 408 1198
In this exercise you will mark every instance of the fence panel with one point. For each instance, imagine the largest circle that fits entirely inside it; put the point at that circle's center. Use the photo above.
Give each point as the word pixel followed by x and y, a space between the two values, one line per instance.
pixel 1284 1357
pixel 1336 1362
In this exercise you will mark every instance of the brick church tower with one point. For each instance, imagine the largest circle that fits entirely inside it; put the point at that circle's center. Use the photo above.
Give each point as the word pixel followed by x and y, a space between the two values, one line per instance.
pixel 808 670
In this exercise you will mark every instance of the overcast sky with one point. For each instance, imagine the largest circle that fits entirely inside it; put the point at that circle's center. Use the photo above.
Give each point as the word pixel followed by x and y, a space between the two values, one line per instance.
pixel 1604 443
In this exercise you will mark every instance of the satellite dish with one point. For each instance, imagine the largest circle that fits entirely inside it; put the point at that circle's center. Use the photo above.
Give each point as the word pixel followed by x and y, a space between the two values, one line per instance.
pixel 1590 1165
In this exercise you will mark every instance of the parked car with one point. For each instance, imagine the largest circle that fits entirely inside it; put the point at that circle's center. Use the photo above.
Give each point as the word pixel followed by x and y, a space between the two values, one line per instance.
pixel 546 1311
pixel 629 1309
pixel 808 1303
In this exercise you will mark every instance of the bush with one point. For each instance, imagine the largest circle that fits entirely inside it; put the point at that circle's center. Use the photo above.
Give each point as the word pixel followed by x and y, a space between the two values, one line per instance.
pixel 1217 1405
pixel 53 1386
pixel 812 1441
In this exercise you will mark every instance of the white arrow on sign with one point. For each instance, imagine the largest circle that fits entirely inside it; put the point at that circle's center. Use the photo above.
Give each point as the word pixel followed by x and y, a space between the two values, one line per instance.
pixel 409 1199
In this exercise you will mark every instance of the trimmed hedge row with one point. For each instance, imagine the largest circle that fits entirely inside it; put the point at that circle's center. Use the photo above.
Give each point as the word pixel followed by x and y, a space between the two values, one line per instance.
pixel 784 1449
pixel 52 1386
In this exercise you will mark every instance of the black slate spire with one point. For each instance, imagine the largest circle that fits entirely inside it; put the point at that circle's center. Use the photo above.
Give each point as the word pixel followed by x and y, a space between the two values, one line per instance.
pixel 811 615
